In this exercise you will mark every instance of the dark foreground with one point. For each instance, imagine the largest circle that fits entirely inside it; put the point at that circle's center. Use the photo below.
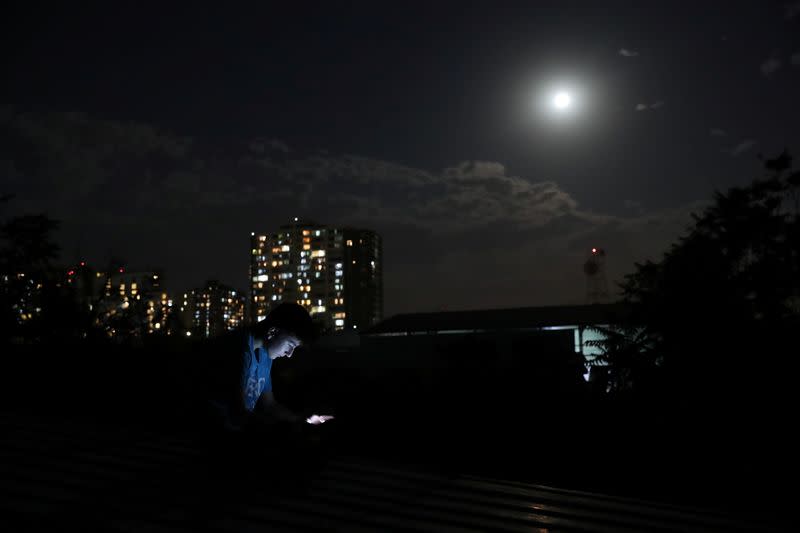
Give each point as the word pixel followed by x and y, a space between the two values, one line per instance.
pixel 107 441
pixel 61 474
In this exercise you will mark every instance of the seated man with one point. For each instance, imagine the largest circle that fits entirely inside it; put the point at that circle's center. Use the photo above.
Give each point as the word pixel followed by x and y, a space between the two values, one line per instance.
pixel 240 376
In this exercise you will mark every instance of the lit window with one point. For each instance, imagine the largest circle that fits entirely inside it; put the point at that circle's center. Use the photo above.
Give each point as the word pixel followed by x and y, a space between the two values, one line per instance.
pixel 340 322
pixel 349 242
pixel 285 248
pixel 263 277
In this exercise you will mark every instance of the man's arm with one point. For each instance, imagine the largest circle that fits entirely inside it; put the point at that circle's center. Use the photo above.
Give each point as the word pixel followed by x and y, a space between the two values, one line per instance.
pixel 269 407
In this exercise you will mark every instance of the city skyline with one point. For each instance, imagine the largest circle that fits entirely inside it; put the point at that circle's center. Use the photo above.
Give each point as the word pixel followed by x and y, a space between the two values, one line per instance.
pixel 490 148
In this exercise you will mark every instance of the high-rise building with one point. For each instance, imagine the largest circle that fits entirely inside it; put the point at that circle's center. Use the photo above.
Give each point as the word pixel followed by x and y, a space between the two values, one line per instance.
pixel 129 301
pixel 212 310
pixel 335 273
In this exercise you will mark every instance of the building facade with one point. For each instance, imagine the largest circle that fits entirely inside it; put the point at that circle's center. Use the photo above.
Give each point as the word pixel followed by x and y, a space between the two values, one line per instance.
pixel 335 273
pixel 212 310
pixel 128 303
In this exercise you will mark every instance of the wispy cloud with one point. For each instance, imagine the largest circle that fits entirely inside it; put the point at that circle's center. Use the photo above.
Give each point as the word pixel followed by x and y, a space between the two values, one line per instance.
pixel 625 52
pixel 742 147
pixel 718 132
pixel 792 10
pixel 645 107
pixel 634 206
pixel 128 183
pixel 770 66
pixel 261 145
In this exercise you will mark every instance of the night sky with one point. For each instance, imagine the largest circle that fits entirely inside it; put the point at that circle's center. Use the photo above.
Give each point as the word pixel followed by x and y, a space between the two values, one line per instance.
pixel 164 135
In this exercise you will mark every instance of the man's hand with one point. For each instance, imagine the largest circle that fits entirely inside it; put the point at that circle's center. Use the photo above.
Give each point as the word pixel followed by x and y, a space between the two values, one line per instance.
pixel 318 419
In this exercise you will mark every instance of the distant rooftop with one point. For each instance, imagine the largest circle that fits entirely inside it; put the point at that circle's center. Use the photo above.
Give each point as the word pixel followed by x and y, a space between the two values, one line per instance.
pixel 500 319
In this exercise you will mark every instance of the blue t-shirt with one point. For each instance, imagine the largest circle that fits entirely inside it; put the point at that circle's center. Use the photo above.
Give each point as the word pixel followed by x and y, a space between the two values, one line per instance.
pixel 256 367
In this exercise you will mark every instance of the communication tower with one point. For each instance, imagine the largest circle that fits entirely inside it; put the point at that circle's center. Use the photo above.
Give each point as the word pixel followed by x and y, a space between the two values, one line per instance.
pixel 596 282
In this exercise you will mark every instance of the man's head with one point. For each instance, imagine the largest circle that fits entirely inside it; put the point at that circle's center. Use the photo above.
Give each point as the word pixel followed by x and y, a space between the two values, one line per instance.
pixel 284 329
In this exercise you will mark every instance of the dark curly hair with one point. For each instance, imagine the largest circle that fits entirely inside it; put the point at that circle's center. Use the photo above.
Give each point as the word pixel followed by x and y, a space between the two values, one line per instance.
pixel 290 317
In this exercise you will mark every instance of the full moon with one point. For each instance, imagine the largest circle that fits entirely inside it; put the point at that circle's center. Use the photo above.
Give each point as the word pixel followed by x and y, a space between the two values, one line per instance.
pixel 562 100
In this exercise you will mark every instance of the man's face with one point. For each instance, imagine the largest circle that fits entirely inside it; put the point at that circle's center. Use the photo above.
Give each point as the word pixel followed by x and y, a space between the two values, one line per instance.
pixel 282 344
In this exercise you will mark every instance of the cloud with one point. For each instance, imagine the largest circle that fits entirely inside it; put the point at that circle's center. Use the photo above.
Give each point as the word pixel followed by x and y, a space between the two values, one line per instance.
pixel 718 132
pixel 186 206
pixel 261 145
pixel 795 59
pixel 742 147
pixel 792 10
pixel 633 205
pixel 628 53
pixel 645 107
pixel 770 66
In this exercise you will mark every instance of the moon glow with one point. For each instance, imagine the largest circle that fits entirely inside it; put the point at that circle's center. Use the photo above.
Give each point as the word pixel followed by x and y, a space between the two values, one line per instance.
pixel 562 100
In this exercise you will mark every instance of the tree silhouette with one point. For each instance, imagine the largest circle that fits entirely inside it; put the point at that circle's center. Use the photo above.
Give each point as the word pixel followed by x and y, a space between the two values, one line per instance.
pixel 28 245
pixel 721 305
pixel 626 351
pixel 30 294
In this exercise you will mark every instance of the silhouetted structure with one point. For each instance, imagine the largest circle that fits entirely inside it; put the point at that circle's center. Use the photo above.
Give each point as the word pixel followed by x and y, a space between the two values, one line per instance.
pixel 596 281
pixel 511 338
